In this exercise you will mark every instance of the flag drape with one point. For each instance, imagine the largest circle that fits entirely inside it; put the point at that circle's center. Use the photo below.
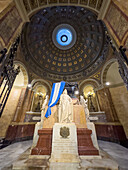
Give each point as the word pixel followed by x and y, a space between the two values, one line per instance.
pixel 57 90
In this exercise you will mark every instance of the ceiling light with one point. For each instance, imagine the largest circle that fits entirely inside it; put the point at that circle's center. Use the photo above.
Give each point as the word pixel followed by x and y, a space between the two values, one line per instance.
pixel 107 83
pixel 29 85
pixel 76 92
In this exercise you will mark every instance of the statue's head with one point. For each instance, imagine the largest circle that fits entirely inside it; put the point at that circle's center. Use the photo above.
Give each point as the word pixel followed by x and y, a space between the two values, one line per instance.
pixel 65 91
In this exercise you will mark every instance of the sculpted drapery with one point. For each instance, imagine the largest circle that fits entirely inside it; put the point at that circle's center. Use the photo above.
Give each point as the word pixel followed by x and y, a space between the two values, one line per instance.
pixel 65 113
pixel 83 102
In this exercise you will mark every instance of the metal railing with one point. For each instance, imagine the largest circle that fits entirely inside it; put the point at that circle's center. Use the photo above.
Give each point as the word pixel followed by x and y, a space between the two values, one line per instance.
pixel 8 73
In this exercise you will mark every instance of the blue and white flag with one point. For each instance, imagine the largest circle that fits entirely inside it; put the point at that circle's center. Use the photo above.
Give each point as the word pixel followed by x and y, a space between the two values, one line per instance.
pixel 57 90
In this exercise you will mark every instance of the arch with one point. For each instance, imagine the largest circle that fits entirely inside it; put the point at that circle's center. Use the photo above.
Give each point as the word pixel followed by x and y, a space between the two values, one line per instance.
pixel 41 85
pixel 91 82
pixel 106 69
pixel 45 83
pixel 24 71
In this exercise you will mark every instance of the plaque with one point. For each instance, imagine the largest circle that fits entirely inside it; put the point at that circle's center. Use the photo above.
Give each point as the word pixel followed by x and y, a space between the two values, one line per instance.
pixel 64 132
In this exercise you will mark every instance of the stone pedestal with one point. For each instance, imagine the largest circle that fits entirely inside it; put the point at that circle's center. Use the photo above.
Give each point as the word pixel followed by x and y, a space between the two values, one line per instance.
pixel 44 143
pixel 38 126
pixel 85 145
pixel 91 126
pixel 64 143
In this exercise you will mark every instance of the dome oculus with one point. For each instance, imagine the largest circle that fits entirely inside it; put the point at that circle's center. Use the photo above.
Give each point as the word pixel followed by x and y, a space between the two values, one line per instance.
pixel 64 37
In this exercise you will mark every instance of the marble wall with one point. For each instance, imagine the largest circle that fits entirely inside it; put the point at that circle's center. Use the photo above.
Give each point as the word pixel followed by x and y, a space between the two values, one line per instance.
pixel 120 101
pixel 24 104
pixel 9 110
pixel 106 104
pixel 19 131
pixel 113 132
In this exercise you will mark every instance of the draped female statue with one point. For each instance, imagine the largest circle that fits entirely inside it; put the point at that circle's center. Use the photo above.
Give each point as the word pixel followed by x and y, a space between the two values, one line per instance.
pixel 44 106
pixel 65 112
pixel 83 102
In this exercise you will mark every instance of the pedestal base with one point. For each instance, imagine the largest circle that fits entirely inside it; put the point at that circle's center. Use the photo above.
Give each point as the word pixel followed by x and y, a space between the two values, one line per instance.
pixel 38 126
pixel 64 143
pixel 85 145
pixel 44 143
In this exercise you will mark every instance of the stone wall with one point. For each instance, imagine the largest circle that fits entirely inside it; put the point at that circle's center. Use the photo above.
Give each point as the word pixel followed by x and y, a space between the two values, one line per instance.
pixel 120 101
pixel 9 110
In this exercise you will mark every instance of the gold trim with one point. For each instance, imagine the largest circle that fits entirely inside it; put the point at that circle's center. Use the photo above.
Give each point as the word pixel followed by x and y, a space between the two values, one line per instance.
pixel 111 32
pixel 23 123
pixel 7 9
pixel 2 41
pixel 108 123
pixel 120 5
pixel 18 31
pixel 32 113
pixel 124 39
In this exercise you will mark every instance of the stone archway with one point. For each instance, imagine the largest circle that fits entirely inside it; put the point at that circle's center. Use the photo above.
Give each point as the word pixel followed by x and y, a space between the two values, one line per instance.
pixel 110 75
pixel 24 75
pixel 89 86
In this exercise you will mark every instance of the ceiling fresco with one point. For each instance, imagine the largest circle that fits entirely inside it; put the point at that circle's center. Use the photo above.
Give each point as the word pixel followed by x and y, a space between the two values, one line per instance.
pixel 85 53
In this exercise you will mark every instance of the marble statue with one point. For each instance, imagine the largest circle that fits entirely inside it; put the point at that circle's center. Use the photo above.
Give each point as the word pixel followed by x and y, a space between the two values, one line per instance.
pixel 39 125
pixel 83 102
pixel 65 112
pixel 44 106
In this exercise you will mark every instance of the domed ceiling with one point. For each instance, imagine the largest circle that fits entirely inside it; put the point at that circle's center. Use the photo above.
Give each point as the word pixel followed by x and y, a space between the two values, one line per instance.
pixel 64 43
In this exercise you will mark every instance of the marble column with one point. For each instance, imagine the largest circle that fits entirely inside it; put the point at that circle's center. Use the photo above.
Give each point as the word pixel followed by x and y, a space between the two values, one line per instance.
pixel 26 103
pixel 19 106
pixel 23 104
pixel 106 104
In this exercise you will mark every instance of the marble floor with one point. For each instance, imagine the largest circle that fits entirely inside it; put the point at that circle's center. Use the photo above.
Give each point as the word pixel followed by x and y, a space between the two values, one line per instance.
pixel 11 153
pixel 117 152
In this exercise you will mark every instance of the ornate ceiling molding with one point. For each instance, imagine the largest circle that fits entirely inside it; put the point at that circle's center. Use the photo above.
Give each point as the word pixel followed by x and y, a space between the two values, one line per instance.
pixel 78 62
pixel 33 6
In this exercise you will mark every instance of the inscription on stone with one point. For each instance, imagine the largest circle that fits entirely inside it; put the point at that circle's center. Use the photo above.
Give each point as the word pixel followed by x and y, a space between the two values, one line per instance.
pixel 64 132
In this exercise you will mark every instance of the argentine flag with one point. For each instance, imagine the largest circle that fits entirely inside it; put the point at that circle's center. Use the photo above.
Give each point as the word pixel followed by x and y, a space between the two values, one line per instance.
pixel 57 90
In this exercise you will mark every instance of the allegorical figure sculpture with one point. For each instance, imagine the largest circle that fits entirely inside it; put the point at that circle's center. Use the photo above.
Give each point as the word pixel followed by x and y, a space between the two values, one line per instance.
pixel 83 102
pixel 43 107
pixel 65 111
pixel 39 125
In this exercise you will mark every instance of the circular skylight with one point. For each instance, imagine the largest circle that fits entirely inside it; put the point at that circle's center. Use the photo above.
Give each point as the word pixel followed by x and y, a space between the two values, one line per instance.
pixel 64 37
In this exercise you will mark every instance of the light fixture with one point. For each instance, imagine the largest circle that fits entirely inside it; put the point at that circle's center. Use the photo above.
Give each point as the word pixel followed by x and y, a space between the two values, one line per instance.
pixel 29 85
pixel 76 92
pixel 107 83
pixel 90 93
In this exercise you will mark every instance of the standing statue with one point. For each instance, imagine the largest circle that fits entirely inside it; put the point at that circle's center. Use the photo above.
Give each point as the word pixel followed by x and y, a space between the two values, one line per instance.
pixel 44 106
pixel 39 125
pixel 83 102
pixel 65 112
